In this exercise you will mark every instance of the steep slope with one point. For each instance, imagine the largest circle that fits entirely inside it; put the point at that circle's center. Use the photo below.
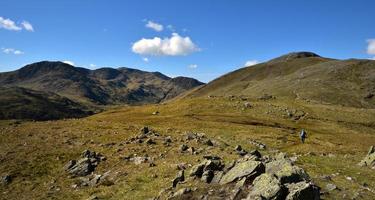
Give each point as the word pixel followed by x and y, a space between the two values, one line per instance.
pixel 301 75
pixel 21 103
pixel 102 86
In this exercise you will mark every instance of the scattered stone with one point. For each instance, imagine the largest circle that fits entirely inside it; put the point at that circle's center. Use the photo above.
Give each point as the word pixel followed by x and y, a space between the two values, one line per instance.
pixel 326 177
pixel 7 179
pixel 139 160
pixel 303 190
pixel 208 142
pixel 255 153
pixel 155 113
pixel 247 105
pixel 369 160
pixel 240 151
pixel 330 187
pixel 184 147
pixel 265 97
pixel 150 141
pixel 144 130
pixel 258 144
pixel 192 151
pixel 167 140
pixel 179 178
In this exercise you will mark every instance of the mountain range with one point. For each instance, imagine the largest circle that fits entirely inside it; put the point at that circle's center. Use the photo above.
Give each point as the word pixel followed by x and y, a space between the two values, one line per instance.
pixel 297 75
pixel 93 88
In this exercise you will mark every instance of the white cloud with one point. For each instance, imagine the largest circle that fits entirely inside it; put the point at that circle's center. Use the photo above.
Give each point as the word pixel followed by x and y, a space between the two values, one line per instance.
pixel 193 66
pixel 145 59
pixel 155 26
pixel 9 24
pixel 12 51
pixel 27 26
pixel 251 62
pixel 92 65
pixel 173 46
pixel 371 46
pixel 68 62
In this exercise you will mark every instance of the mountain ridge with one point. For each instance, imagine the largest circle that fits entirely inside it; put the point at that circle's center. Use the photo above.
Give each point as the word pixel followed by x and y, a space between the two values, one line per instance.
pixel 101 86
pixel 304 75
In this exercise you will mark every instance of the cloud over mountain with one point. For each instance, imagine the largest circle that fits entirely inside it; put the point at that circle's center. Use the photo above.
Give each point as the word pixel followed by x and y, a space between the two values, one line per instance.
pixel 172 46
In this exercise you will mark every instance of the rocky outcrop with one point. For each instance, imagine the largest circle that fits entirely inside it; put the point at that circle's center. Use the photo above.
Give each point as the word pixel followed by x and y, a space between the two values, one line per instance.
pixel 267 186
pixel 84 166
pixel 248 170
pixel 249 177
pixel 285 171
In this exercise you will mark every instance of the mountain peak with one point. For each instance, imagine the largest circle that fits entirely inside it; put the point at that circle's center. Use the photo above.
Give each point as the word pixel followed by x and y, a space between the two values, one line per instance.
pixel 295 55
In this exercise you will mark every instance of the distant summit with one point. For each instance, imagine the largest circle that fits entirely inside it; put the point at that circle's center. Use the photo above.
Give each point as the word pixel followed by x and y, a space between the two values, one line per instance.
pixel 295 55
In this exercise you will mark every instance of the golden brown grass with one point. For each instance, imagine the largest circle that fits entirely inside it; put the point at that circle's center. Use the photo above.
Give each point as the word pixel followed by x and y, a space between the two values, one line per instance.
pixel 35 152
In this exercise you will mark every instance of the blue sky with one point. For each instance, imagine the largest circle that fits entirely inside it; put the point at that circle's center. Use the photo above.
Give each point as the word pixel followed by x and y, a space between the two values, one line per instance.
pixel 197 38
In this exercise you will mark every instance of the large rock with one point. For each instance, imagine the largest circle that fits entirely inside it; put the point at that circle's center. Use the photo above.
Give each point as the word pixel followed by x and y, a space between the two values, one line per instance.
pixel 249 169
pixel 369 160
pixel 85 165
pixel 267 187
pixel 286 171
pixel 303 191
pixel 82 167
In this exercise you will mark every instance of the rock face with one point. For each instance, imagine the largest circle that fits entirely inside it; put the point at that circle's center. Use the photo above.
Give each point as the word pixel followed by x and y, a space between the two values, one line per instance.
pixel 267 186
pixel 302 191
pixel 285 171
pixel 248 169
pixel 369 160
pixel 84 166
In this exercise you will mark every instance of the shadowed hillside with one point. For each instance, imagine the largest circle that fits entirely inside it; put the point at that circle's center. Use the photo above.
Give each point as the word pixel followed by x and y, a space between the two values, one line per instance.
pixel 21 103
pixel 301 75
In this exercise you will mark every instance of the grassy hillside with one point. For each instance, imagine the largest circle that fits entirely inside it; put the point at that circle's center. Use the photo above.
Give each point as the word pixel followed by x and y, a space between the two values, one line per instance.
pixel 21 103
pixel 303 75
pixel 35 153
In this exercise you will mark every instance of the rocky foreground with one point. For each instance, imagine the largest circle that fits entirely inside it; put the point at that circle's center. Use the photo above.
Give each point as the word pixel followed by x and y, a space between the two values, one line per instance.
pixel 252 176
